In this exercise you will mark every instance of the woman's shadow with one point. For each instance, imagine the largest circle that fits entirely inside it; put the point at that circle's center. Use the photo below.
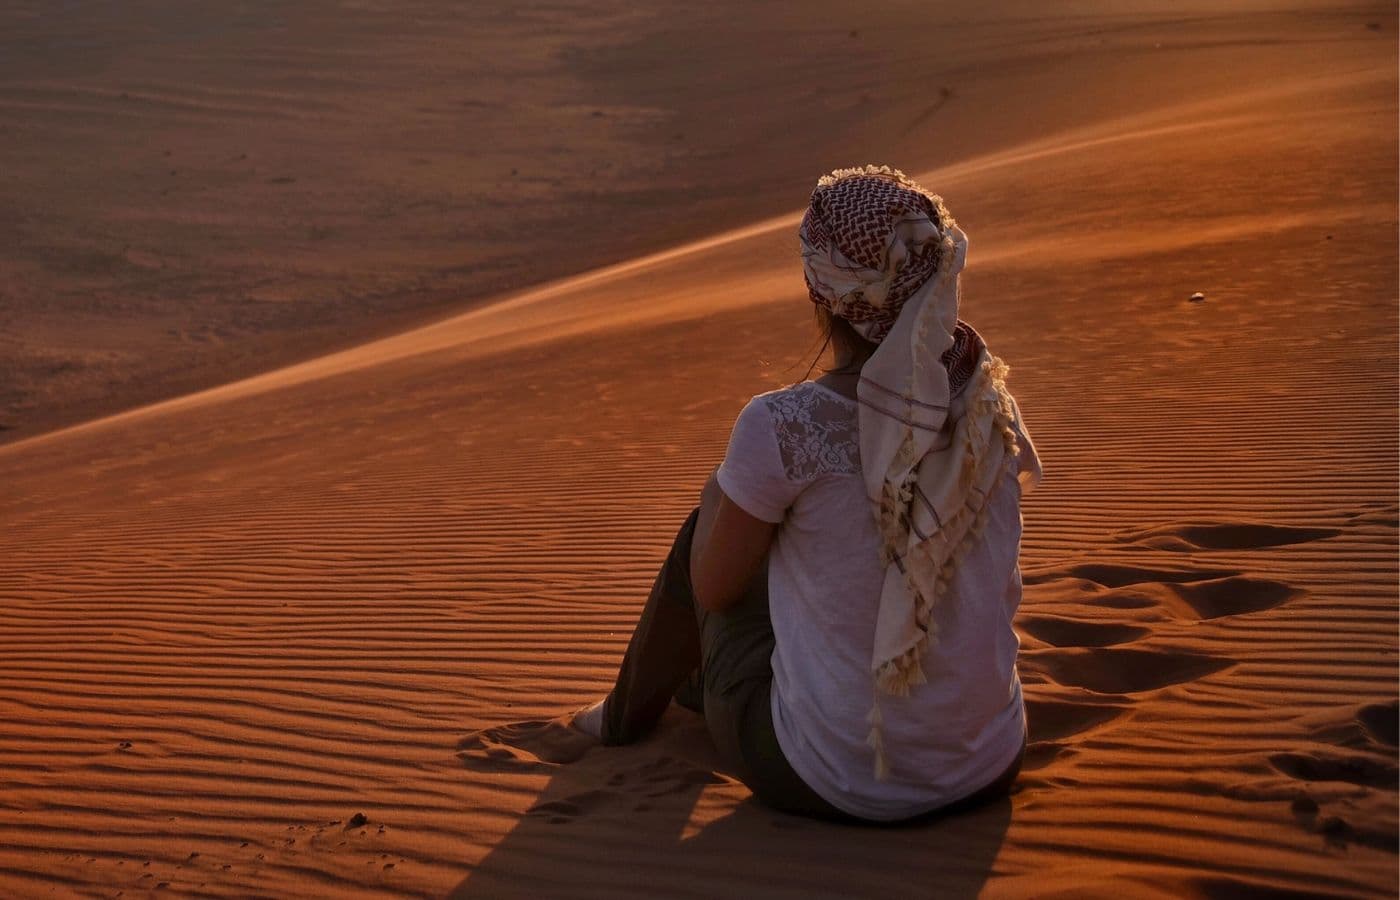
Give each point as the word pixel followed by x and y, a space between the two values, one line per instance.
pixel 661 818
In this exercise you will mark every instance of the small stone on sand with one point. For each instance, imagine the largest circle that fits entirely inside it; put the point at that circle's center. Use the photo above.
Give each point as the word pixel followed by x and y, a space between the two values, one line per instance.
pixel 1198 297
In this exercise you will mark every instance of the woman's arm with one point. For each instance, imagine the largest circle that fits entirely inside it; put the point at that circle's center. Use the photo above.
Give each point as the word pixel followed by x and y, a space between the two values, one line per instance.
pixel 728 549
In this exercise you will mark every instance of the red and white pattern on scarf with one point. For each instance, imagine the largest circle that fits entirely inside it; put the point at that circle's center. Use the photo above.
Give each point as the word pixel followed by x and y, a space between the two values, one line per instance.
pixel 962 358
pixel 857 215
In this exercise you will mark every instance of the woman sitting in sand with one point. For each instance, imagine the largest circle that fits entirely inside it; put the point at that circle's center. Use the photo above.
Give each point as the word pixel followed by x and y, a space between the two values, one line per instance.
pixel 843 595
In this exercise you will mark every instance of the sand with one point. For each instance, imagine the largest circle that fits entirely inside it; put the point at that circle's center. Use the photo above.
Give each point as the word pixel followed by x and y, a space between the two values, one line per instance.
pixel 303 634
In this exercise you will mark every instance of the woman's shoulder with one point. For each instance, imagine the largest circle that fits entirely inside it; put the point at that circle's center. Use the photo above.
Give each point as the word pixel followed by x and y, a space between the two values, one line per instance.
pixel 815 428
pixel 804 395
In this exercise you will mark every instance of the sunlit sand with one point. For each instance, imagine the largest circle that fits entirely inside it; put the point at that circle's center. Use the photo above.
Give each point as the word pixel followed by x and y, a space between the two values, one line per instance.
pixel 285 619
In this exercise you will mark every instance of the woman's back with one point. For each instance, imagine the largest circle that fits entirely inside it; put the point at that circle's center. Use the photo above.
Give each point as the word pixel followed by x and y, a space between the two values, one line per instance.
pixel 845 590
pixel 794 458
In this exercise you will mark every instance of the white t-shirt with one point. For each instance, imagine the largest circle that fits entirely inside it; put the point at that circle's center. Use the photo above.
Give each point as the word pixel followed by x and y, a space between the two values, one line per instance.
pixel 794 459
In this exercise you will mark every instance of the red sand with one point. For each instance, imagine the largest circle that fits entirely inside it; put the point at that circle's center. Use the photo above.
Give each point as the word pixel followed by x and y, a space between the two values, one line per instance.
pixel 232 621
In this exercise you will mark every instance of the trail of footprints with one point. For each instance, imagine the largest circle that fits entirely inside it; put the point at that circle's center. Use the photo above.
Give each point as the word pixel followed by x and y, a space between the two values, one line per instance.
pixel 1095 657
pixel 1089 654
pixel 1097 671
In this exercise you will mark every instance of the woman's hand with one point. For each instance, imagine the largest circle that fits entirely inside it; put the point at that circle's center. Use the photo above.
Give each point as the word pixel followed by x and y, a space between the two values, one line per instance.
pixel 727 551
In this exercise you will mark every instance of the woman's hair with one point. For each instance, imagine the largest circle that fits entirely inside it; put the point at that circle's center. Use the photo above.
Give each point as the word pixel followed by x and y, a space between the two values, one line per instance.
pixel 836 330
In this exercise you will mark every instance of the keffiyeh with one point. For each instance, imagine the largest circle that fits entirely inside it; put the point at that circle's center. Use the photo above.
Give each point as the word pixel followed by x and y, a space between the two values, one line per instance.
pixel 936 419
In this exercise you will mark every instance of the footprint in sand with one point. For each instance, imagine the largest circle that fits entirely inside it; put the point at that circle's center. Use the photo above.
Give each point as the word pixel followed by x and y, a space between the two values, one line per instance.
pixel 1358 748
pixel 1337 765
pixel 1377 512
pixel 560 812
pixel 1233 596
pixel 1063 632
pixel 1212 598
pixel 1115 670
pixel 1050 720
pixel 1111 575
pixel 1381 721
pixel 1193 594
pixel 1360 777
pixel 663 777
pixel 1225 536
pixel 524 746
pixel 633 788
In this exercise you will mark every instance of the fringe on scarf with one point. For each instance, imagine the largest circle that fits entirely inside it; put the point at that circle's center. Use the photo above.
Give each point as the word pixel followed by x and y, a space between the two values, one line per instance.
pixel 937 554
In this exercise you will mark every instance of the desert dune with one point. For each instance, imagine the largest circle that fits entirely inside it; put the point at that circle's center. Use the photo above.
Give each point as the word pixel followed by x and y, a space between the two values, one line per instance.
pixel 302 633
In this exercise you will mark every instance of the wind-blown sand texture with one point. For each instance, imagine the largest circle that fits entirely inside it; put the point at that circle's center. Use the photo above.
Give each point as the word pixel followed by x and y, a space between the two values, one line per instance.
pixel 302 634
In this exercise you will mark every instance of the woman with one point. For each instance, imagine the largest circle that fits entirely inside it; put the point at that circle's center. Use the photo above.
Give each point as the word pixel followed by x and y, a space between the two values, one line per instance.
pixel 843 596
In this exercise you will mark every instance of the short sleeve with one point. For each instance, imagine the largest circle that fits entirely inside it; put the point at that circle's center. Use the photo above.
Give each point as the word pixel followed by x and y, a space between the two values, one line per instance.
pixel 752 473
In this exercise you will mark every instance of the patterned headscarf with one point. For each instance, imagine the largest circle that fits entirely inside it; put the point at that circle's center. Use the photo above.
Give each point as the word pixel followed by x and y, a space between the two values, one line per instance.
pixel 937 425
pixel 870 239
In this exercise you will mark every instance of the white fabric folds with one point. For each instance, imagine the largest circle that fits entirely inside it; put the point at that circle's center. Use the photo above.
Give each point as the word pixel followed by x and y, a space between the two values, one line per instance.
pixel 929 456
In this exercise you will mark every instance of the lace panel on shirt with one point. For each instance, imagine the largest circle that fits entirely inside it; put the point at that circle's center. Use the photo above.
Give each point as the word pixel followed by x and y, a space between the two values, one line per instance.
pixel 816 432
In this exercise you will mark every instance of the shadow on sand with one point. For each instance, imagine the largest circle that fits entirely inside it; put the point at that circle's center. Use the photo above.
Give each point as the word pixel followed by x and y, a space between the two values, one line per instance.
pixel 661 818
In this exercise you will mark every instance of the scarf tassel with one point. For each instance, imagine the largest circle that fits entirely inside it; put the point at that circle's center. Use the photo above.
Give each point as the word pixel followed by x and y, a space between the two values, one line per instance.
pixel 939 556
